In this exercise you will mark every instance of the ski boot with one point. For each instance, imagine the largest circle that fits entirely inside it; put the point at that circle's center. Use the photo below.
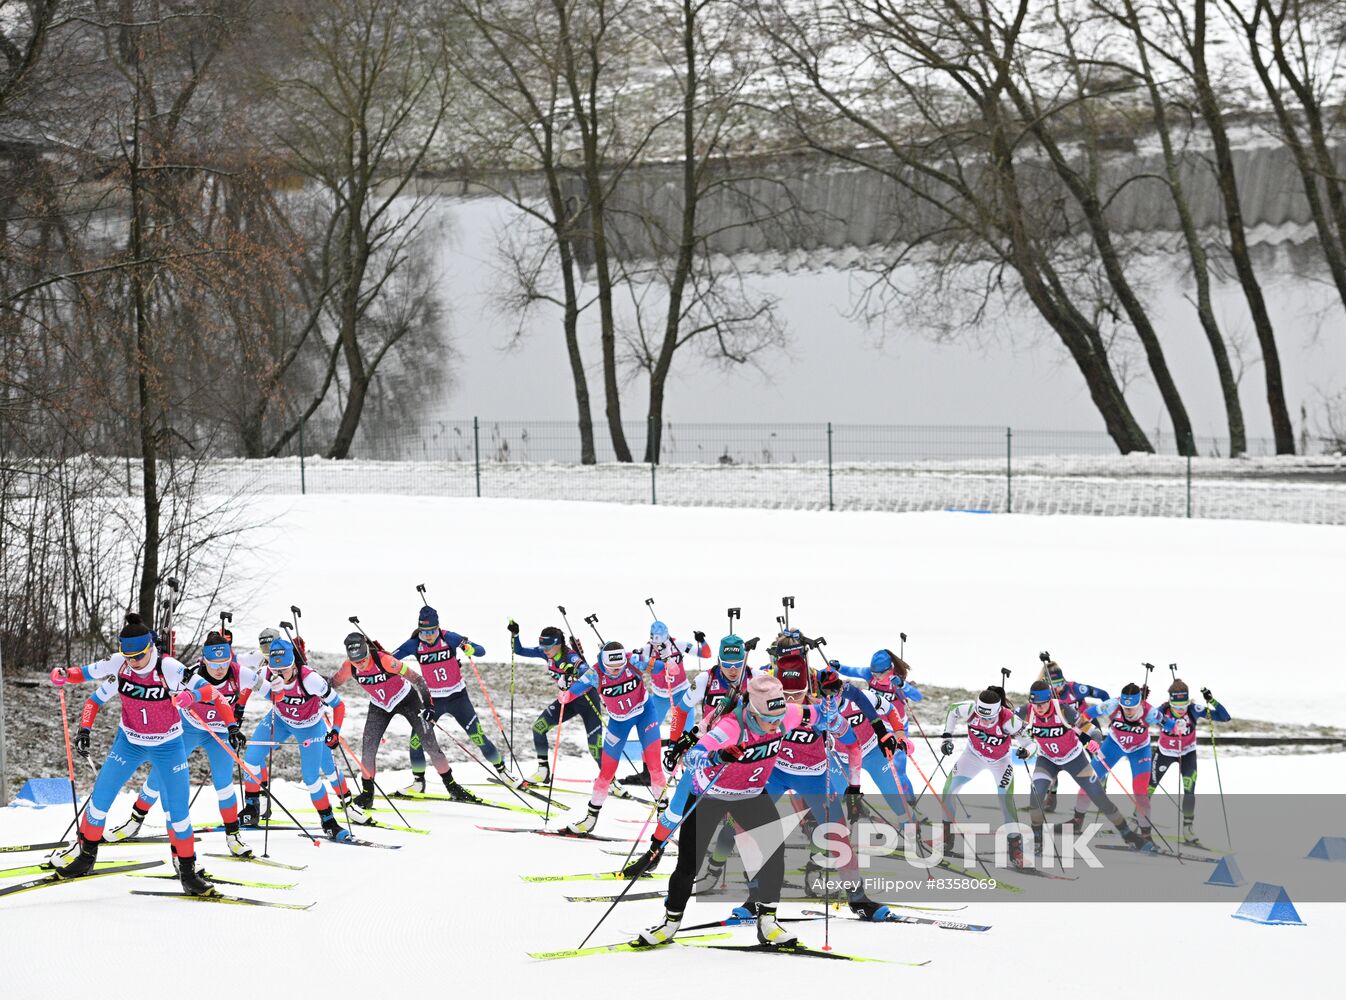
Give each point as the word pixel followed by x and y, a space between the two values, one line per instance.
pixel 250 814
pixel 456 791
pixel 618 791
pixel 1014 844
pixel 585 826
pixel 194 883
pixel 234 842
pixel 769 930
pixel 417 787
pixel 1037 841
pixel 1189 837
pixel 646 862
pixel 1135 840
pixel 642 779
pixel 1049 802
pixel 710 878
pixel 365 800
pixel 333 829
pixel 747 910
pixel 1077 823
pixel 351 810
pixel 662 934
pixel 76 860
pixel 541 776
pixel 866 909
pixel 129 829
pixel 503 776
pixel 813 879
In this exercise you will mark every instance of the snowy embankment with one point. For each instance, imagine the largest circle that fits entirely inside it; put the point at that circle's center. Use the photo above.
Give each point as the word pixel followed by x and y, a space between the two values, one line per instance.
pixel 1248 609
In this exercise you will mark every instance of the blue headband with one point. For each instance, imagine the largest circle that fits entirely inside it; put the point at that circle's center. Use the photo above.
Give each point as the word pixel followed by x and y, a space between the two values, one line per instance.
pixel 132 645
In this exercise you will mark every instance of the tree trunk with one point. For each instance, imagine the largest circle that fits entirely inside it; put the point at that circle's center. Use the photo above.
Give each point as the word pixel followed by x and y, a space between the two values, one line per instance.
pixel 1196 250
pixel 1209 109
pixel 144 355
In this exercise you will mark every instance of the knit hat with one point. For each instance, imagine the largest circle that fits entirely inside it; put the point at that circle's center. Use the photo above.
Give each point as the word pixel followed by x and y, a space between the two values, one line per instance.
pixel 766 697
pixel 429 618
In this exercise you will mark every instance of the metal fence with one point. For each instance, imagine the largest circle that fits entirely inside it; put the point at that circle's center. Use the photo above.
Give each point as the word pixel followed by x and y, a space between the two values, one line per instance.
pixel 819 466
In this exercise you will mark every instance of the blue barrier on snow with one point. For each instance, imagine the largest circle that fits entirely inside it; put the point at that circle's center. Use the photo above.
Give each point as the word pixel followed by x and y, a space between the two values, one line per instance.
pixel 1226 873
pixel 1268 904
pixel 46 791
pixel 1329 849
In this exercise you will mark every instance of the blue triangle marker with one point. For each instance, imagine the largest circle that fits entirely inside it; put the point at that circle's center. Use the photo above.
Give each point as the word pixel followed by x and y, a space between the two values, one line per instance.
pixel 1226 873
pixel 1268 904
pixel 1329 849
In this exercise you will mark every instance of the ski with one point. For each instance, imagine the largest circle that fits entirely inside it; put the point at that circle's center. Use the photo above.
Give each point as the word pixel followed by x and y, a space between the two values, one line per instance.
pixel 19 848
pixel 1157 852
pixel 604 949
pixel 379 824
pixel 54 879
pixel 282 827
pixel 357 842
pixel 617 852
pixel 221 880
pixel 592 877
pixel 561 834
pixel 902 918
pixel 254 860
pixel 437 797
pixel 742 922
pixel 45 868
pixel 630 897
pixel 219 897
pixel 802 950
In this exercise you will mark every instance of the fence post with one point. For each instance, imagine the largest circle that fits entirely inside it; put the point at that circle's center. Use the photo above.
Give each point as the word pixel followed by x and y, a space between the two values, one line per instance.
pixel 1009 471
pixel 476 451
pixel 303 485
pixel 830 504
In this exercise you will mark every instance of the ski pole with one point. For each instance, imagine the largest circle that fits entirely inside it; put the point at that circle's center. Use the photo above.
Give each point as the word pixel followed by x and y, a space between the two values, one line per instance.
pixel 484 766
pixel 270 770
pixel 366 773
pixel 69 759
pixel 1211 719
pixel 947 815
pixel 511 703
pixel 630 882
pixel 509 744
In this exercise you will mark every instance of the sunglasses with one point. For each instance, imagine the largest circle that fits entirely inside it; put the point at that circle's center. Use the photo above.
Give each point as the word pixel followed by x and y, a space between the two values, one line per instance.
pixel 144 654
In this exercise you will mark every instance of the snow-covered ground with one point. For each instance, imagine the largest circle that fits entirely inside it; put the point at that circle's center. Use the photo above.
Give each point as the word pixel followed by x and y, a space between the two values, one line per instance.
pixel 448 911
pixel 1249 609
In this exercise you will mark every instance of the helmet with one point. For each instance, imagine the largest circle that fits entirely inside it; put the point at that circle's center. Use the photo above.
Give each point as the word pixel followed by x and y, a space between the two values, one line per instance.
pixel 733 654
pixel 281 654
pixel 792 670
pixel 766 698
pixel 551 636
pixel 658 633
pixel 987 705
pixel 612 657
pixel 357 647
pixel 1040 693
pixel 266 638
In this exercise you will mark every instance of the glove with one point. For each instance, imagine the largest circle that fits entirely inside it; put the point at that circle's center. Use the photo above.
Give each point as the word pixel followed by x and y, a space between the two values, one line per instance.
pixel 333 739
pixel 700 638
pixel 238 715
pixel 428 714
pixel 58 677
pixel 726 754
pixel 81 743
pixel 513 627
pixel 679 747
pixel 834 664
pixel 889 745
pixel 184 700
pixel 1205 693
pixel 1091 747
pixel 1021 752
pixel 466 646
pixel 1180 727
pixel 751 644
pixel 946 748
pixel 237 740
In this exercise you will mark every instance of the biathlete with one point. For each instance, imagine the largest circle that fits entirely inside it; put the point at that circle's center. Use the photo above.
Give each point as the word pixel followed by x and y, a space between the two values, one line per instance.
pixel 564 664
pixel 154 690
pixel 234 676
pixel 1177 745
pixel 436 650
pixel 620 682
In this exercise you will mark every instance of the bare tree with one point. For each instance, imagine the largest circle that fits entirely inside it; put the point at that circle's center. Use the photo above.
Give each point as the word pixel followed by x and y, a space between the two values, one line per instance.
pixel 892 87
pixel 363 105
